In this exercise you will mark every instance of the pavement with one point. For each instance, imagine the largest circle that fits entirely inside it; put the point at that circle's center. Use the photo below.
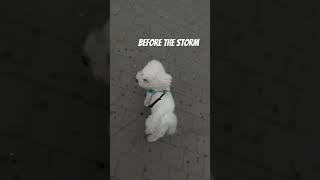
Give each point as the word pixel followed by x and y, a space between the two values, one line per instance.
pixel 185 155
pixel 55 119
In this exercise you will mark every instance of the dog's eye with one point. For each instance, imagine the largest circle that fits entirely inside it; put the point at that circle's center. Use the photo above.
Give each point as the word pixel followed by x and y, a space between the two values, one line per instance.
pixel 145 80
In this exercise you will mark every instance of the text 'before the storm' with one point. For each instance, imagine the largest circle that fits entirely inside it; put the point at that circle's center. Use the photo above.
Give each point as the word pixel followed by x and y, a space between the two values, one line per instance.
pixel 169 42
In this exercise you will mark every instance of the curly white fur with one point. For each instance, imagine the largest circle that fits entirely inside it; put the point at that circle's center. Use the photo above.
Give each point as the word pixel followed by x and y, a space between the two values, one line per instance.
pixel 162 120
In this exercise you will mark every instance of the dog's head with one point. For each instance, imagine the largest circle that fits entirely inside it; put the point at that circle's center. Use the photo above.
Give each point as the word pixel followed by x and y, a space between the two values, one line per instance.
pixel 153 76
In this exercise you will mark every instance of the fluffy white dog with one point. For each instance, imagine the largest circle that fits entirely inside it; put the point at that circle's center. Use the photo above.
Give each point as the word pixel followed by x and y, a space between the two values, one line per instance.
pixel 157 82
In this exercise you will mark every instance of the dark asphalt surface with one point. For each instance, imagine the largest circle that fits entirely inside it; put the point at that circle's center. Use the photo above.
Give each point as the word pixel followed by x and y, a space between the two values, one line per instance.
pixel 265 90
pixel 53 121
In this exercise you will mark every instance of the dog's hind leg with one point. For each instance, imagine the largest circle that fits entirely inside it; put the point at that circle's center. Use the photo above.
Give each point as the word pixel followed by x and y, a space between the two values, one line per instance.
pixel 172 118
pixel 159 132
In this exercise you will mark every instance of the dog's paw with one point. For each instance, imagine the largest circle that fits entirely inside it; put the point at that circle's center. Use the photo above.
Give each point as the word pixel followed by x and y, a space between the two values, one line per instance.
pixel 152 138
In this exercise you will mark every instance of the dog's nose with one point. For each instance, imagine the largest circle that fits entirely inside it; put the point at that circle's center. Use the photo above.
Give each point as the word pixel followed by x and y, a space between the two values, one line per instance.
pixel 136 80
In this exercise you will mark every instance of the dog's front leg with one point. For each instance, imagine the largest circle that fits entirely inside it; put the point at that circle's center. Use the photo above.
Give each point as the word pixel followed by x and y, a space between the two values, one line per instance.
pixel 152 138
pixel 147 100
pixel 148 125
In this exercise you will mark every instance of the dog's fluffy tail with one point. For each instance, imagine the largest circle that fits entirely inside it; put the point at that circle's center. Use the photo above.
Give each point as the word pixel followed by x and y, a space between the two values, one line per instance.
pixel 171 118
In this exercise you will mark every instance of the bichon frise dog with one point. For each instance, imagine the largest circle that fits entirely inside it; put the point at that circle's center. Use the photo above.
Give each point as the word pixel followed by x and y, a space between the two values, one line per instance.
pixel 157 82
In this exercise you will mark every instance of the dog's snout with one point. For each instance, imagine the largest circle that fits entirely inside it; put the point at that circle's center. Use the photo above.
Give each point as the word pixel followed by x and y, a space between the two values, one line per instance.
pixel 136 80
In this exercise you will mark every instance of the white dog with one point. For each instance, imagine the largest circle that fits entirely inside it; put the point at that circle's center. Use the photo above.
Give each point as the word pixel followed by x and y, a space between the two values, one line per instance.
pixel 157 82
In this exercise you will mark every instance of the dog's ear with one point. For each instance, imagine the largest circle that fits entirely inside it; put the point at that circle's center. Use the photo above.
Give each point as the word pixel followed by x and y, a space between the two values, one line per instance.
pixel 166 79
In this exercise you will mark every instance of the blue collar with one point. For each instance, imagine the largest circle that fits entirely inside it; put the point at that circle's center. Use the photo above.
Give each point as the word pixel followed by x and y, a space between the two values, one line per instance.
pixel 152 91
